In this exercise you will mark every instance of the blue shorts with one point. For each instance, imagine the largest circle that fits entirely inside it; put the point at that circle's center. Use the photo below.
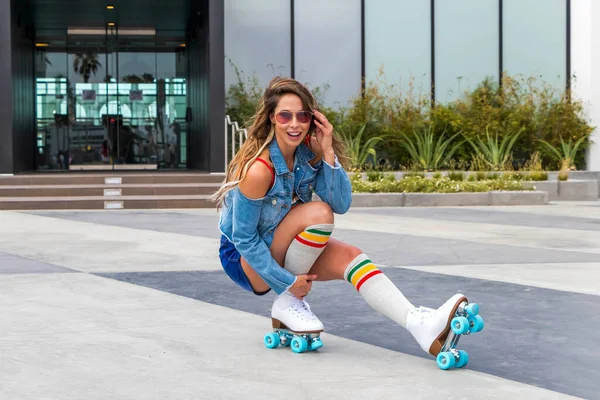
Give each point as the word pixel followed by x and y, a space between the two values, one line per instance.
pixel 230 260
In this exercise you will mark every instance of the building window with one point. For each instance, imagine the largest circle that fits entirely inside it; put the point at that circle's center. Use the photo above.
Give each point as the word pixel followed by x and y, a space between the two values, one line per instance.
pixel 257 39
pixel 466 46
pixel 535 40
pixel 398 41
pixel 328 48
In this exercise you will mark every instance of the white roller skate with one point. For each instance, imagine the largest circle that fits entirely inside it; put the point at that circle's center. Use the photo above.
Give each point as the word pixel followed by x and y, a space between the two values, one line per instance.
pixel 294 325
pixel 438 331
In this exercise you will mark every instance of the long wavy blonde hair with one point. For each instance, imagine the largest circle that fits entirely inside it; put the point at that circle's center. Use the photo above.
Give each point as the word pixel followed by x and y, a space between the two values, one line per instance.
pixel 262 132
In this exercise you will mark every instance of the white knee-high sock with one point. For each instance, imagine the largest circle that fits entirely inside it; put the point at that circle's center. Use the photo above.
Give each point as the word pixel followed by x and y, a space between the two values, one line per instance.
pixel 377 290
pixel 306 248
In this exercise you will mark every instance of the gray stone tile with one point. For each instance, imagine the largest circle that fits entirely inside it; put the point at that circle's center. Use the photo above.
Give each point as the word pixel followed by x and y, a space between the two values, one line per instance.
pixel 11 264
pixel 489 215
pixel 536 336
pixel 168 222
pixel 398 250
pixel 384 248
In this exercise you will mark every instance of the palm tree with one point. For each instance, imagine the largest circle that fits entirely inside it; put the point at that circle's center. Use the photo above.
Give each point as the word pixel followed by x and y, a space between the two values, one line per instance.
pixel 86 65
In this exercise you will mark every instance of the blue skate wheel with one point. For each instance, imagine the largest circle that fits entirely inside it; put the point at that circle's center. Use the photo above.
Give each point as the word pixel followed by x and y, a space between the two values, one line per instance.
pixel 477 323
pixel 445 360
pixel 463 359
pixel 271 340
pixel 472 309
pixel 460 325
pixel 316 344
pixel 299 344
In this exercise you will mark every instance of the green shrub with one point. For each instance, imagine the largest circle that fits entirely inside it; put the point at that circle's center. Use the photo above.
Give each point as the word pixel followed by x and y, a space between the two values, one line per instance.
pixel 428 149
pixel 538 176
pixel 480 176
pixel 243 97
pixel 566 154
pixel 417 184
pixel 563 175
pixel 514 176
pixel 496 150
pixel 374 176
pixel 355 177
pixel 504 124
pixel 437 175
pixel 409 174
pixel 456 176
pixel 493 176
pixel 358 149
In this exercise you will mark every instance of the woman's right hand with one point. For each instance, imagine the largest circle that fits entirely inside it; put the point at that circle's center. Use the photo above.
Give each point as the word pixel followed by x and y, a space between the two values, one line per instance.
pixel 302 286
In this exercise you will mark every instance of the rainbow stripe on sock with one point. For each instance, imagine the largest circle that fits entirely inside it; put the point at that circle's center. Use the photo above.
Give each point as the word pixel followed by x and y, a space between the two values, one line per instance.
pixel 314 238
pixel 361 273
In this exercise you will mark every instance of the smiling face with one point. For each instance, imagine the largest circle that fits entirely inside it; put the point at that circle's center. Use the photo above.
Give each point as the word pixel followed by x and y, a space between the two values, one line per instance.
pixel 291 121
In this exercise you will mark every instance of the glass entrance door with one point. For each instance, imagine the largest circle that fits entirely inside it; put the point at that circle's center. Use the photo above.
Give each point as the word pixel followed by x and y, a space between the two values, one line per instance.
pixel 111 99
pixel 112 129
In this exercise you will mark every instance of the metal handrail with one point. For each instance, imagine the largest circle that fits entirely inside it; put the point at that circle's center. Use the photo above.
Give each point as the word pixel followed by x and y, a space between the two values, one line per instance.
pixel 235 129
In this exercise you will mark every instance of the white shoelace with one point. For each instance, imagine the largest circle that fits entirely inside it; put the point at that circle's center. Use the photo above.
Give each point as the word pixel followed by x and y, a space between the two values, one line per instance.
pixel 301 307
pixel 424 313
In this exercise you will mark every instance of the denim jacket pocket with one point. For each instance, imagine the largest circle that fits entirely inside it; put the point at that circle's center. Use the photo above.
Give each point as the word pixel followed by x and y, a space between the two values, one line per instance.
pixel 272 208
pixel 306 186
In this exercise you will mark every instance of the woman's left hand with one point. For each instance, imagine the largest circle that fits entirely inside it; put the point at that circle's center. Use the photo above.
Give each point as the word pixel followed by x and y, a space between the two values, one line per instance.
pixel 323 137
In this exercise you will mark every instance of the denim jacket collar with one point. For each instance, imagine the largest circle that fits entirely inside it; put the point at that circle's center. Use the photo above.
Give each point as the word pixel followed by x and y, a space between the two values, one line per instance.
pixel 303 154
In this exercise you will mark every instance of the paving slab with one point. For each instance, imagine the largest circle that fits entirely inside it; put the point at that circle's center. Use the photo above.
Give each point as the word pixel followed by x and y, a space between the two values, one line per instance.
pixel 81 336
pixel 11 264
pixel 519 343
pixel 550 217
pixel 146 311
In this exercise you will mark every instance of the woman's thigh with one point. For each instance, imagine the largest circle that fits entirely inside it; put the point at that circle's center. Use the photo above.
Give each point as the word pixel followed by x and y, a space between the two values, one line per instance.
pixel 295 221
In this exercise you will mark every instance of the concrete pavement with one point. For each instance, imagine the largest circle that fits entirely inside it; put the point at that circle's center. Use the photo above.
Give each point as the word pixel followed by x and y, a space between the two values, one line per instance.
pixel 134 305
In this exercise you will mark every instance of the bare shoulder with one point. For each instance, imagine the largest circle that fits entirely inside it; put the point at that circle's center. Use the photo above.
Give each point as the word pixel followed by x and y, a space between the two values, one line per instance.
pixel 257 181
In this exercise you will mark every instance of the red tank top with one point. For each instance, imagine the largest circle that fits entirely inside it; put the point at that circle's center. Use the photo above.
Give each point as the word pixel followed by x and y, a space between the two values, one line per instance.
pixel 270 169
pixel 295 199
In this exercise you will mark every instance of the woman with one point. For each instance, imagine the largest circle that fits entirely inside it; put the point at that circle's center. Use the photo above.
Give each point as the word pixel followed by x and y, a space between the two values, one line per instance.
pixel 275 237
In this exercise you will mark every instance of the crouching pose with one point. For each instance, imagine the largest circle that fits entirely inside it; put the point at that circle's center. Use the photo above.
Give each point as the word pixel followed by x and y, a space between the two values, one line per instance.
pixel 275 237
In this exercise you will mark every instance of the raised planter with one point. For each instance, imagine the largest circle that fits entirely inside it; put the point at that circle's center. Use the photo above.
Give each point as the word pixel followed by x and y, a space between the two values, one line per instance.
pixel 579 176
pixel 581 185
pixel 574 190
pixel 570 190
pixel 525 198
pixel 449 199
pixel 446 199
pixel 377 199
pixel 545 186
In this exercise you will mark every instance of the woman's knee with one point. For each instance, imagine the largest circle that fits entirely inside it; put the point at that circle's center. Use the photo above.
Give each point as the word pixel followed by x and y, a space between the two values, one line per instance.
pixel 319 213
pixel 352 253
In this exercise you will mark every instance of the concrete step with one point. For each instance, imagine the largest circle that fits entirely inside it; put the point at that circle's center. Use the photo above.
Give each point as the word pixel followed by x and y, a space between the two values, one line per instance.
pixel 96 178
pixel 86 190
pixel 105 202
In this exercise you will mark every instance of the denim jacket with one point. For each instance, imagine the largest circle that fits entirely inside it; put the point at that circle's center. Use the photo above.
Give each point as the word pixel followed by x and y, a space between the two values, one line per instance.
pixel 250 223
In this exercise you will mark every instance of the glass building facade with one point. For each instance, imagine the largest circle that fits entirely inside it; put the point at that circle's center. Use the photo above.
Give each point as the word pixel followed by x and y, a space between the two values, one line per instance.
pixel 439 46
pixel 85 86
pixel 102 85
pixel 127 110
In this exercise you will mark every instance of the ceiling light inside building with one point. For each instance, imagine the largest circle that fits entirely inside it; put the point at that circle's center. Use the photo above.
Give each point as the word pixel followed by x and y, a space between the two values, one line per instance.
pixel 95 31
